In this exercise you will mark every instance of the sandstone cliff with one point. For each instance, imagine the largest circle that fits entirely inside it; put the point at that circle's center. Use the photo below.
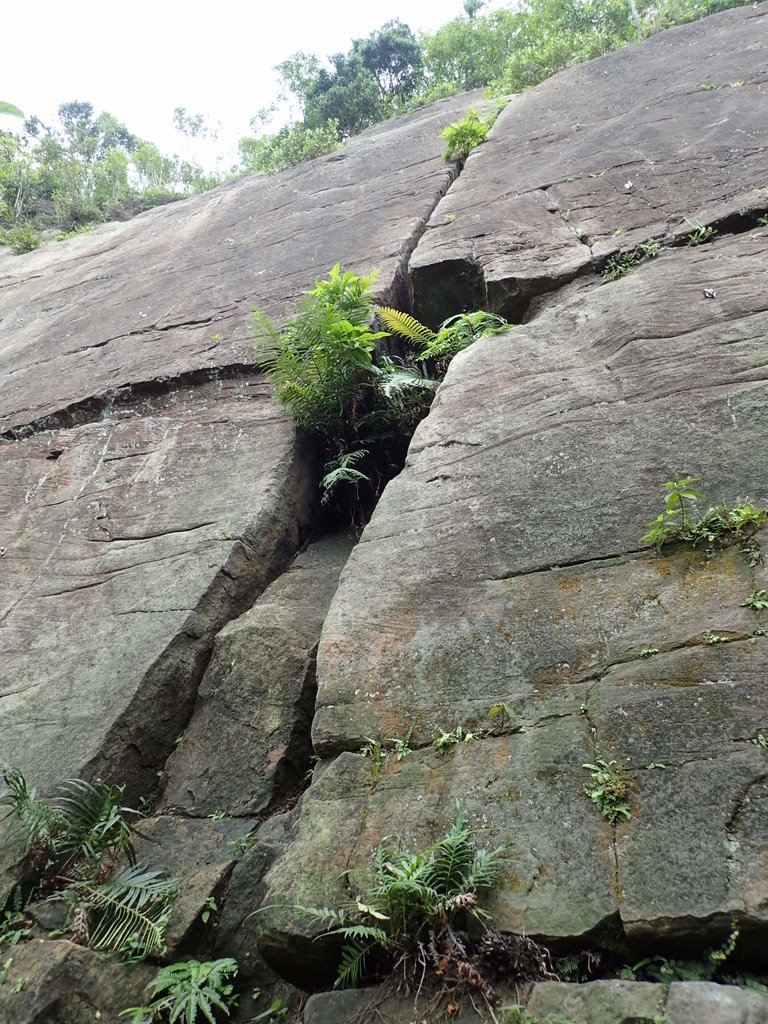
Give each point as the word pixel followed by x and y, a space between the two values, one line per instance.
pixel 161 626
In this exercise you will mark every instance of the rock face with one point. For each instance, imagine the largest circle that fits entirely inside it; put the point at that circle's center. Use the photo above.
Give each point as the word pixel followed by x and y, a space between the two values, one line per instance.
pixel 152 498
pixel 149 490
pixel 248 740
pixel 599 159
pixel 504 564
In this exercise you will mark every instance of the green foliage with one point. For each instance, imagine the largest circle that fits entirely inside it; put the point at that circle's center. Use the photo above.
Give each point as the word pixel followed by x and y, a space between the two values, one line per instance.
pixel 326 368
pixel 649 652
pixel 555 34
pixel 82 169
pixel 757 600
pixel 700 234
pixel 187 992
pixel 609 789
pixel 14 922
pixel 620 265
pixel 8 109
pixel 270 154
pixel 720 525
pixel 468 53
pixel 20 238
pixel 454 334
pixel 445 740
pixel 661 969
pixel 73 846
pixel 415 904
pixel 463 136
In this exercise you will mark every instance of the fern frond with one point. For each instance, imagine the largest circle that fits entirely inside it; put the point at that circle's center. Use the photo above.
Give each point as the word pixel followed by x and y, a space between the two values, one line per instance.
pixel 130 911
pixel 352 966
pixel 28 819
pixel 405 325
pixel 264 335
pixel 94 823
pixel 393 380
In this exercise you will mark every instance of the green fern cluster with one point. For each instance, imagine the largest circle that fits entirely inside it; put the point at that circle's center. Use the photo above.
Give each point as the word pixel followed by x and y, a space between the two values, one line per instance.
pixel 454 334
pixel 184 991
pixel 74 845
pixel 415 905
pixel 326 367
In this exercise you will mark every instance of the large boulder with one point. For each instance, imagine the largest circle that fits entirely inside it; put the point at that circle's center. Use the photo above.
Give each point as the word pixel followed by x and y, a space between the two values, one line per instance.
pixel 649 142
pixel 504 565
pixel 149 489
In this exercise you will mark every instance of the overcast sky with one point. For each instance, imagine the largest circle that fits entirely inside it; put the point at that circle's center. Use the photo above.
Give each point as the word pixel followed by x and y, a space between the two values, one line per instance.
pixel 141 59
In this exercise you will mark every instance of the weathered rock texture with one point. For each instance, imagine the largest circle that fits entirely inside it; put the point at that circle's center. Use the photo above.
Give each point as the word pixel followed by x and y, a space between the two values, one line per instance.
pixel 59 981
pixel 248 742
pixel 149 490
pixel 645 143
pixel 150 493
pixel 504 564
pixel 601 1002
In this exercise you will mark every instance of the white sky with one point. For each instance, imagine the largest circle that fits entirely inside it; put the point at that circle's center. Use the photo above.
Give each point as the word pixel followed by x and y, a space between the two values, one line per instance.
pixel 142 58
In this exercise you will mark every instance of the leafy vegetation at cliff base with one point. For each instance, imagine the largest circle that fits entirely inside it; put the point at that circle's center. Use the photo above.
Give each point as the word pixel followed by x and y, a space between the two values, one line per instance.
pixel 414 917
pixel 78 848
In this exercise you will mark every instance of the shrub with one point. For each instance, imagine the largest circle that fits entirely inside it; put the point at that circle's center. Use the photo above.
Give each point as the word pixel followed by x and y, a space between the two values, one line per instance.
pixel 21 238
pixel 463 136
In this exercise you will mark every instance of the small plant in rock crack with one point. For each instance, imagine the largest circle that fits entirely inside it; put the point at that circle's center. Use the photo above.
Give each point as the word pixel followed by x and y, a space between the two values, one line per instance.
pixel 413 919
pixel 461 137
pixel 79 849
pixel 609 789
pixel 380 751
pixel 649 652
pixel 620 265
pixel 757 600
pixel 719 526
pixel 187 992
pixel 661 969
pixel 15 923
pixel 445 740
pixel 701 233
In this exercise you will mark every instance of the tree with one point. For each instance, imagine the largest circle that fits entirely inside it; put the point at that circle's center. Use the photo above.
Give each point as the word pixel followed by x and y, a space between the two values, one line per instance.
pixel 393 56
pixel 469 53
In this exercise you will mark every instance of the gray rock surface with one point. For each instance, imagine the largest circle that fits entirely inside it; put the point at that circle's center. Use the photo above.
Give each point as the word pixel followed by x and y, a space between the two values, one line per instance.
pixel 60 982
pixel 149 490
pixel 168 292
pixel 504 564
pixel 200 857
pixel 644 143
pixel 248 741
pixel 126 552
pixel 630 1002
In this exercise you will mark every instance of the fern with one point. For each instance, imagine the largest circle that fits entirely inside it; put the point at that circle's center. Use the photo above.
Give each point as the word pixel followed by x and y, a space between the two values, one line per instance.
pixel 406 326
pixel 128 913
pixel 28 819
pixel 354 955
pixel 93 823
pixel 414 902
pixel 185 990
pixel 342 471
pixel 454 334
